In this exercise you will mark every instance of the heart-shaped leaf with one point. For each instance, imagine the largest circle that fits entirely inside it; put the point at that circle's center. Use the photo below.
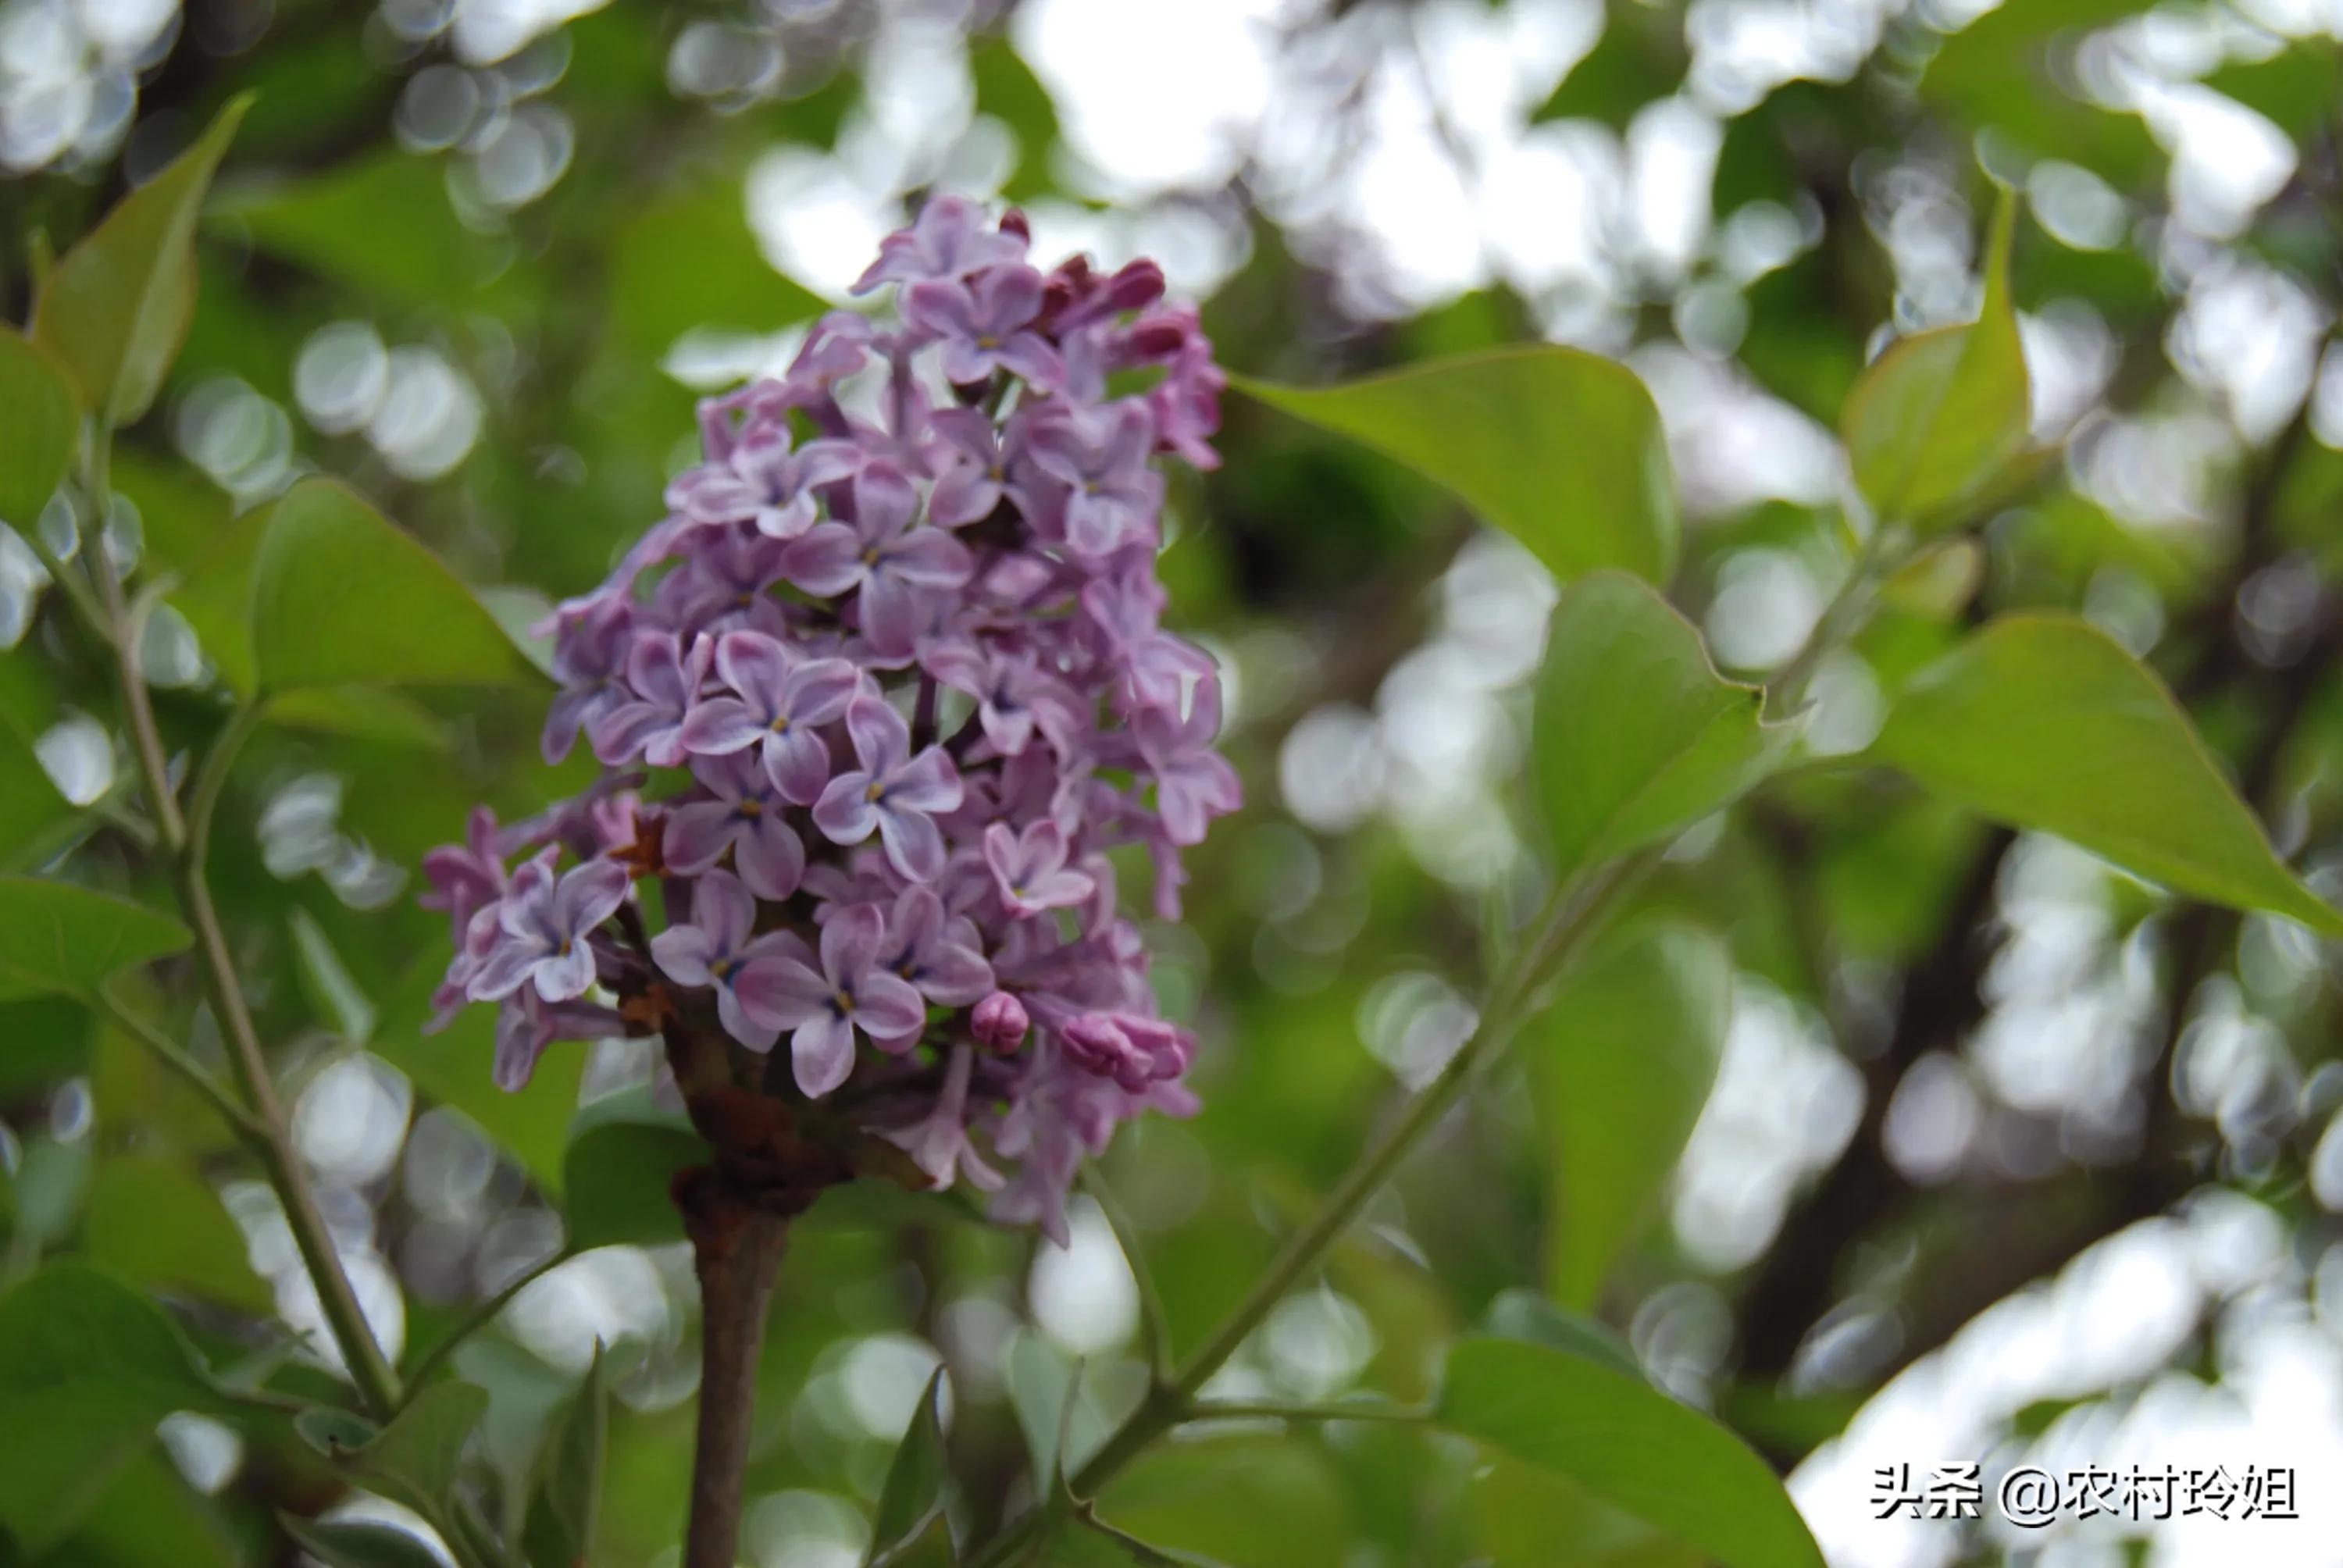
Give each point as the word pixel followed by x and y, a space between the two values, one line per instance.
pixel 342 597
pixel 1559 447
pixel 1637 735
pixel 116 305
pixel 58 936
pixel 2043 720
pixel 1629 1445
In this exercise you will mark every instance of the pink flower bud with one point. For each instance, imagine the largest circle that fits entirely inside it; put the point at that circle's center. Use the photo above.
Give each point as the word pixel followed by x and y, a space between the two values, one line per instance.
pixel 999 1022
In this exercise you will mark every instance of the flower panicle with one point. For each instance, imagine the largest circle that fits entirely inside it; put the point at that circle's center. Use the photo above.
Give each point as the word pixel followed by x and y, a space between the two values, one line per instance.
pixel 874 701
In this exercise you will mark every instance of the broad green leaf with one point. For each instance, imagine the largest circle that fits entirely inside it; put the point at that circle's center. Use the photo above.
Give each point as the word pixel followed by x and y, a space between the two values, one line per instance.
pixel 913 1496
pixel 1047 1393
pixel 414 1459
pixel 1525 1315
pixel 1561 448
pixel 156 1222
pixel 1254 1499
pixel 87 1367
pixel 2044 721
pixel 689 260
pixel 1628 1445
pixel 362 713
pixel 1637 735
pixel 58 936
pixel 118 304
pixel 1936 420
pixel 343 597
pixel 149 1517
pixel 30 806
pixel 566 1504
pixel 623 1152
pixel 381 224
pixel 1622 1060
pixel 358 1543
pixel 37 434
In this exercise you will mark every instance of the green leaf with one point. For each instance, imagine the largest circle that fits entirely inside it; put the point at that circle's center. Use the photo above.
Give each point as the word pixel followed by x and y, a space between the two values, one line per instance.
pixel 154 1220
pixel 1629 1445
pixel 87 1367
pixel 1934 421
pixel 2044 721
pixel 36 439
pixel 690 259
pixel 1519 1314
pixel 381 224
pixel 358 1544
pixel 1623 1061
pixel 913 1496
pixel 567 1505
pixel 1561 448
pixel 362 713
pixel 58 936
pixel 1637 735
pixel 413 1460
pixel 342 597
pixel 623 1152
pixel 1253 1499
pixel 30 805
pixel 118 304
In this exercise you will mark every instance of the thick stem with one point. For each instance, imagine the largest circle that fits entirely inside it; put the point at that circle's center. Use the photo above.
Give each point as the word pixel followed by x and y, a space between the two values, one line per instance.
pixel 738 1255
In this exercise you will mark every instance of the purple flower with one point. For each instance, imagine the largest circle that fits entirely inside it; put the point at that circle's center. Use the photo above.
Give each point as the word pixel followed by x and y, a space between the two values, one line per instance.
pixel 1100 455
pixel 765 483
pixel 722 587
pixel 1193 783
pixel 664 682
pixel 527 1024
pixel 938 1143
pixel 746 817
pixel 1029 868
pixel 893 792
pixel 985 324
pixel 1012 695
pixel 542 927
pixel 750 974
pixel 589 655
pixel 975 468
pixel 940 954
pixel 882 555
pixel 849 991
pixel 999 1023
pixel 776 701
pixel 465 878
pixel 1134 1050
pixel 948 239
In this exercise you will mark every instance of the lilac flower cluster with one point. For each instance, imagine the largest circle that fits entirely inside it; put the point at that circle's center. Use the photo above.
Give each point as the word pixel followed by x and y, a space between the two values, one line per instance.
pixel 874 701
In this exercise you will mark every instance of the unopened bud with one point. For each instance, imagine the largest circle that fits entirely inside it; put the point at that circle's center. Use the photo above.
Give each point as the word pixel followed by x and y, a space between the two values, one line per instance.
pixel 999 1022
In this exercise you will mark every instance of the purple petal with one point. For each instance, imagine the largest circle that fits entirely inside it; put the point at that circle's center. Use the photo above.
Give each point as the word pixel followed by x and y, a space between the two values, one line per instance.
pixel 718 725
pixel 956 976
pixel 697 835
pixel 881 739
pixel 755 666
pixel 588 896
pixel 741 1025
pixel 889 1007
pixel 928 782
pixel 827 561
pixel 782 991
pixel 722 908
pixel 822 1053
pixel 770 858
pixel 915 844
pixel 682 953
pixel 930 557
pixel 798 763
pixel 845 813
pixel 819 690
pixel 851 940
pixel 565 975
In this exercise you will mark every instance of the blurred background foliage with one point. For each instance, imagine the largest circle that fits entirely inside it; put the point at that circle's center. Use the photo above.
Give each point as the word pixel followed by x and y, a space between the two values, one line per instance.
pixel 2007 1154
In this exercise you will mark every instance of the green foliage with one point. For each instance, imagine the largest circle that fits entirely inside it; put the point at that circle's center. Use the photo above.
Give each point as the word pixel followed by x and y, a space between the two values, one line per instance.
pixel 57 936
pixel 1941 417
pixel 87 1367
pixel 37 443
pixel 623 1152
pixel 913 1496
pixel 566 1504
pixel 414 1459
pixel 2045 722
pixel 1629 1445
pixel 341 597
pixel 116 305
pixel 1637 735
pixel 155 1223
pixel 1561 448
pixel 1623 1059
